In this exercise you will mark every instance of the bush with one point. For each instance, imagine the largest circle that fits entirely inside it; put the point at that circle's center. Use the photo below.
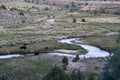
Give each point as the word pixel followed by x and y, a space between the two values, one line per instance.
pixel 96 68
pixel 46 8
pixel 65 60
pixel 21 13
pixel 23 21
pixel 3 7
pixel 76 58
pixel 74 20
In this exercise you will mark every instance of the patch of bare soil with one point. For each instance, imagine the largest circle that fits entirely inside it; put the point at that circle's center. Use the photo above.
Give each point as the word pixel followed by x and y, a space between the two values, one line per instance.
pixel 66 51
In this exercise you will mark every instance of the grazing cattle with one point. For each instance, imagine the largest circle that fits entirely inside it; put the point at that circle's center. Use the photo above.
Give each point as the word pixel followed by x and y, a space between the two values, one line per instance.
pixel 36 53
pixel 23 47
pixel 46 48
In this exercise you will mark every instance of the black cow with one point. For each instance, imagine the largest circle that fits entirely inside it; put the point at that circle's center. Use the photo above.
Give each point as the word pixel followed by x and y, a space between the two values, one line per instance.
pixel 36 53
pixel 23 47
pixel 46 48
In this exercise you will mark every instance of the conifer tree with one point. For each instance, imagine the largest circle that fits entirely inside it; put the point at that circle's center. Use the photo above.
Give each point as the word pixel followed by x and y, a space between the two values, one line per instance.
pixel 56 73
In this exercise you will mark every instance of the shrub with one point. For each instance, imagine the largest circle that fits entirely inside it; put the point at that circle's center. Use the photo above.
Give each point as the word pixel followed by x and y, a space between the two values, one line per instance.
pixel 23 21
pixel 96 68
pixel 3 7
pixel 56 73
pixel 76 58
pixel 74 20
pixel 65 60
pixel 21 13
pixel 46 8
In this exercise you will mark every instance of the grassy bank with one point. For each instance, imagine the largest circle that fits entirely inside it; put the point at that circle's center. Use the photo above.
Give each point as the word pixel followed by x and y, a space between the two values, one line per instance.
pixel 104 42
pixel 39 47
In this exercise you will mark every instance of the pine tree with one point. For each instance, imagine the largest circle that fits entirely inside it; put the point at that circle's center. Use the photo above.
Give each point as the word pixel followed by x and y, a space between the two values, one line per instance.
pixel 56 73
pixel 115 64
pixel 106 74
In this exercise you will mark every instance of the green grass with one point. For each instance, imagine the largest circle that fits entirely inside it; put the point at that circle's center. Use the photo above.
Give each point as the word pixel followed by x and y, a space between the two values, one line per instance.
pixel 38 47
pixel 104 42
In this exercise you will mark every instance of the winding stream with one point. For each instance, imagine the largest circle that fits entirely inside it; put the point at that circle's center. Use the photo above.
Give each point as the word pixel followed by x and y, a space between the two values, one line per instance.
pixel 92 51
